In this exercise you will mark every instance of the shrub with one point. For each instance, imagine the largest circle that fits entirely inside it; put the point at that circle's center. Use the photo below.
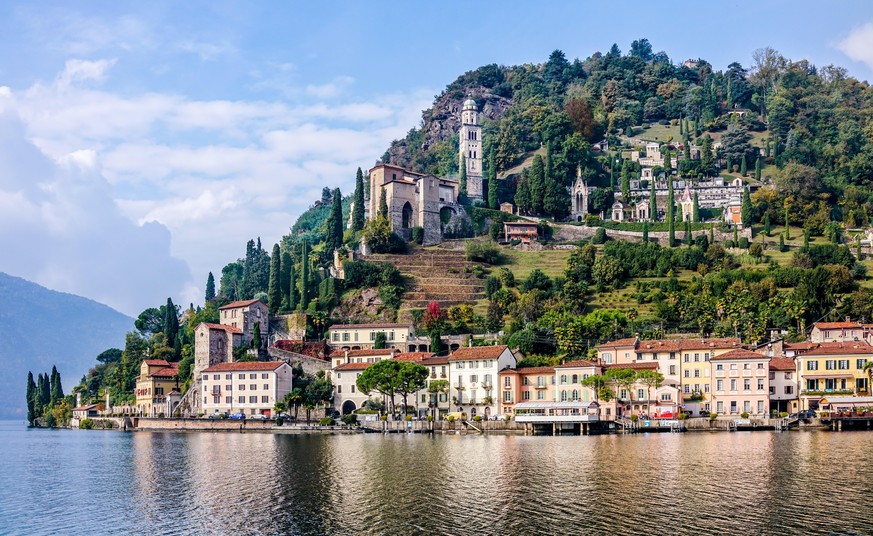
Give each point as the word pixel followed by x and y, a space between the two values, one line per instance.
pixel 161 415
pixel 408 418
pixel 451 418
pixel 507 418
pixel 477 418
pixel 599 236
pixel 635 417
pixel 279 421
pixel 683 416
pixel 327 421
pixel 756 250
pixel 713 416
pixel 384 418
pixel 783 414
pixel 744 243
pixel 351 419
pixel 429 418
pixel 744 415
pixel 418 235
pixel 86 424
pixel 483 251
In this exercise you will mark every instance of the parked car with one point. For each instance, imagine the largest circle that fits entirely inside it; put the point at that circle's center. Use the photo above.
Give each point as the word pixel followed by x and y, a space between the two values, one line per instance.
pixel 805 414
pixel 239 416
pixel 284 417
pixel 259 417
pixel 218 416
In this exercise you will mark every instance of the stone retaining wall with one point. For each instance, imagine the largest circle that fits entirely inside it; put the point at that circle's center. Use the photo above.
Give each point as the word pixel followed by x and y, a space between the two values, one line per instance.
pixel 571 233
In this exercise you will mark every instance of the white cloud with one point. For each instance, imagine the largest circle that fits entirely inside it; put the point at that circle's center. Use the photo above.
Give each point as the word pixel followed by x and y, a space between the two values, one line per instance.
pixel 81 70
pixel 858 45
pixel 207 51
pixel 331 89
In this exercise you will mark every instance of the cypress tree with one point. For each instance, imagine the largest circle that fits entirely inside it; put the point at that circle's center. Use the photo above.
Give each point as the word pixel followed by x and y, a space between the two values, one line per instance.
pixel 285 267
pixel 743 169
pixel 681 127
pixel 358 210
pixel 383 204
pixel 274 292
pixel 645 232
pixel 210 288
pixel 767 223
pixel 859 255
pixel 758 169
pixel 781 242
pixel 256 336
pixel 706 159
pixel 334 232
pixel 462 184
pixel 522 193
pixel 171 323
pixel 746 209
pixel 556 201
pixel 671 211
pixel 767 149
pixel 653 203
pixel 787 228
pixel 668 164
pixel 686 154
pixel 805 238
pixel 625 182
pixel 493 202
pixel 291 287
pixel 304 277
pixel 736 238
pixel 45 395
pixel 688 232
pixel 57 390
pixel 695 209
pixel 537 184
pixel 712 233
pixel 31 399
pixel 729 166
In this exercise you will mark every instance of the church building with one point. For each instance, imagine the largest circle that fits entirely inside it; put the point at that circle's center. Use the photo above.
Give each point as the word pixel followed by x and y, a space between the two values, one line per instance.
pixel 470 148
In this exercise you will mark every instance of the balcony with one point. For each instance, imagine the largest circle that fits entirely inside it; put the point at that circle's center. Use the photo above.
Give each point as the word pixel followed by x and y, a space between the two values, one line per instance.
pixel 459 386
pixel 827 392
pixel 692 397
pixel 540 386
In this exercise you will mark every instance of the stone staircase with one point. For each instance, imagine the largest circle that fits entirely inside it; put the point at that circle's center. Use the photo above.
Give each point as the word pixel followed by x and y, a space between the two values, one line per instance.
pixel 443 275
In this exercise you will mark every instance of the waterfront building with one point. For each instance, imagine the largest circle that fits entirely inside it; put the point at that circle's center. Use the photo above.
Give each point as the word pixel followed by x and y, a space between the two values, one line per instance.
pixel 569 377
pixel 363 336
pixel 696 378
pixel 157 379
pixel 473 375
pixel 635 399
pixel 341 357
pixel 741 383
pixel 434 400
pixel 526 384
pixel 620 351
pixel 346 366
pixel 783 385
pixel 249 387
pixel 847 331
pixel 833 369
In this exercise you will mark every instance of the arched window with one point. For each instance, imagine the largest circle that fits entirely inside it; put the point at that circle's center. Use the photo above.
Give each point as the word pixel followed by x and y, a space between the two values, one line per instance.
pixel 407 215
pixel 575 395
pixel 563 379
pixel 575 378
pixel 563 396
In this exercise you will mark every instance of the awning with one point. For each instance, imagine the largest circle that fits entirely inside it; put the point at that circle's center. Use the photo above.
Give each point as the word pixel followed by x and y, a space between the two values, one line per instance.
pixel 828 376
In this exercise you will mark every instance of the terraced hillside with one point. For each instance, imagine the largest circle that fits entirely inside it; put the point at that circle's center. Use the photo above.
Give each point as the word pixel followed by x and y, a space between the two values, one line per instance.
pixel 443 275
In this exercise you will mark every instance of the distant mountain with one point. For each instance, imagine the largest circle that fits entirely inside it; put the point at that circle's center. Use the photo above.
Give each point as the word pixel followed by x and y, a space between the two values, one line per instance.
pixel 40 328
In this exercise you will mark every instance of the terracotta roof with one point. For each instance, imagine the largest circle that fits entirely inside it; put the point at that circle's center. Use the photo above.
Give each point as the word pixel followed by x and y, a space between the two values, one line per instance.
pixel 245 366
pixel 523 223
pixel 157 362
pixel 837 325
pixel 643 365
pixel 364 353
pixel 579 363
pixel 353 366
pixel 435 360
pixel 167 372
pixel 220 327
pixel 238 304
pixel 477 352
pixel 799 345
pixel 706 344
pixel 659 345
pixel 783 363
pixel 415 357
pixel 536 370
pixel 368 326
pixel 839 348
pixel 83 408
pixel 739 353
pixel 620 342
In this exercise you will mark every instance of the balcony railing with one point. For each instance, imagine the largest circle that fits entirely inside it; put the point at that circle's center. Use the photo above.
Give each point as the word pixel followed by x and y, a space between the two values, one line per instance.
pixel 824 392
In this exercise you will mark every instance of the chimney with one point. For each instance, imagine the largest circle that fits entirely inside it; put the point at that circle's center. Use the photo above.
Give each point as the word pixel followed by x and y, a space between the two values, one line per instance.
pixel 79 400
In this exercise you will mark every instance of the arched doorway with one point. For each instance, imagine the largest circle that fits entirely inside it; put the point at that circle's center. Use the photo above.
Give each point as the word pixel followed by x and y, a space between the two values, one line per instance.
pixel 487 412
pixel 348 407
pixel 472 412
pixel 407 215
pixel 446 214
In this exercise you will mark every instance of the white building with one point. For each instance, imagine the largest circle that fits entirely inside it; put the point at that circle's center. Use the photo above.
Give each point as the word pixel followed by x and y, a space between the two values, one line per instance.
pixel 250 387
pixel 783 385
pixel 473 378
pixel 470 148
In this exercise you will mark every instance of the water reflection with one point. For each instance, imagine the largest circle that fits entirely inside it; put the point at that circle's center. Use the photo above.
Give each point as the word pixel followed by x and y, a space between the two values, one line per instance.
pixel 226 483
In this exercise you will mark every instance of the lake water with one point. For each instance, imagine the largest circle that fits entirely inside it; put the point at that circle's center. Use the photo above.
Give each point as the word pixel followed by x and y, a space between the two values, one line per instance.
pixel 96 482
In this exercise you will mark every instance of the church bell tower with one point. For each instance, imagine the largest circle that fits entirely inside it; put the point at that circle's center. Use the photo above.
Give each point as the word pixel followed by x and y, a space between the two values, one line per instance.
pixel 470 148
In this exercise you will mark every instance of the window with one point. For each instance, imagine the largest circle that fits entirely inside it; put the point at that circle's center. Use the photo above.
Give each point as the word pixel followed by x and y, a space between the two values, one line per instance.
pixel 696 358
pixel 253 387
pixel 265 399
pixel 733 385
pixel 789 390
pixel 345 337
pixel 205 377
pixel 672 369
pixel 719 367
pixel 760 406
pixel 372 335
pixel 228 387
pixel 697 373
pixel 507 382
pixel 641 394
pixel 339 389
pixel 686 358
pixel 474 378
pixel 390 335
pixel 228 400
pixel 747 385
pixel 733 366
pixel 474 364
pixel 242 400
pixel 747 406
pixel 719 407
pixel 654 356
pixel 812 365
pixel 563 379
pixel 353 388
pixel 760 366
pixel 266 387
pixel 831 364
pixel 811 385
pixel 746 366
pixel 253 400
pixel 705 387
pixel 575 396
pixel 242 387
pixel 242 376
pixel 686 373
pixel 525 395
pixel 760 385
pixel 719 385
pixel 672 355
pixel 733 406
pixel 216 376
pixel 843 364
pixel 507 396
pixel 607 357
pixel 460 364
pixel 563 396
pixel 525 381
pixel 541 395
pixel 706 356
pixel 686 388
pixel 335 336
pixel 859 364
pixel 228 376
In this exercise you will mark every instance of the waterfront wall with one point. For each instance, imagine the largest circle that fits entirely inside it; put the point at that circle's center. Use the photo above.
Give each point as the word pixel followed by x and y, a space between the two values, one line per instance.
pixel 441 426
pixel 228 425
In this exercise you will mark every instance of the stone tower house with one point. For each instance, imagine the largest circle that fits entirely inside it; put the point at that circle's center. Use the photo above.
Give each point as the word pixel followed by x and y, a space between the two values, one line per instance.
pixel 470 148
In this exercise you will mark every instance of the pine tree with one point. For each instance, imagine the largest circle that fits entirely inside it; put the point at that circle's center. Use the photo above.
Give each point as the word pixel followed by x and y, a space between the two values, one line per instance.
pixel 522 193
pixel 758 169
pixel 695 209
pixel 767 223
pixel 383 204
pixel 462 184
pixel 736 238
pixel 31 399
pixel 274 294
pixel 493 202
pixel 537 185
pixel 358 210
pixel 743 169
pixel 645 232
pixel 210 288
pixel 304 277
pixel 746 209
pixel 171 323
pixel 671 214
pixel 653 203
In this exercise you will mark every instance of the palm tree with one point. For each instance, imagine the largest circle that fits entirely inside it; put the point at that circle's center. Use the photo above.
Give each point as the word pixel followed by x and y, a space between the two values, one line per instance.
pixel 294 399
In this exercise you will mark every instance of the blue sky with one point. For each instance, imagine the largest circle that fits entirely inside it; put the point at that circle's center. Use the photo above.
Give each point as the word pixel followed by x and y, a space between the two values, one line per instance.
pixel 158 137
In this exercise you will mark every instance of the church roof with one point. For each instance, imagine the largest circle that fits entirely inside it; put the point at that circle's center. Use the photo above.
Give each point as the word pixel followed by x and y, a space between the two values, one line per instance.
pixel 469 102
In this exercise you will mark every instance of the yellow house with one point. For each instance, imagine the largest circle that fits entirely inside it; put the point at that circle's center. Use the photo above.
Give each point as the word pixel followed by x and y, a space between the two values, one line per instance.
pixel 695 375
pixel 157 378
pixel 363 336
pixel 833 369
